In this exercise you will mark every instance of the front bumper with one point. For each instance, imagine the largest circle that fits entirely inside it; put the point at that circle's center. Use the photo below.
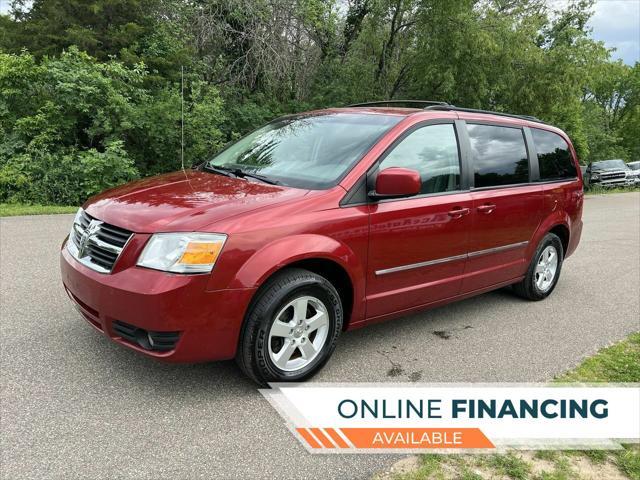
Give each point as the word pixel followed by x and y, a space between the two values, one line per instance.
pixel 609 183
pixel 207 323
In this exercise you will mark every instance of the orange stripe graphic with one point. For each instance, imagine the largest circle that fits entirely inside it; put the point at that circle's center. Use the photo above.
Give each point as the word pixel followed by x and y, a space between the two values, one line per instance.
pixel 336 438
pixel 417 438
pixel 321 436
pixel 309 439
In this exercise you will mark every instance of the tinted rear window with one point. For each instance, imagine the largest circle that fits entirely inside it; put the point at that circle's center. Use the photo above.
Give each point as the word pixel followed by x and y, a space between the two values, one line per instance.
pixel 499 155
pixel 554 157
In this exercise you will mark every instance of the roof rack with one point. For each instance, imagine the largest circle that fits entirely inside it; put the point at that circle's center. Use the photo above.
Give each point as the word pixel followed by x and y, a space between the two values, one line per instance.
pixel 395 102
pixel 453 108
pixel 433 105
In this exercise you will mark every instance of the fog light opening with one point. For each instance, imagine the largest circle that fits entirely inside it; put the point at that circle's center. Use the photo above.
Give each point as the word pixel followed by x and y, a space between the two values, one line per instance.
pixel 144 339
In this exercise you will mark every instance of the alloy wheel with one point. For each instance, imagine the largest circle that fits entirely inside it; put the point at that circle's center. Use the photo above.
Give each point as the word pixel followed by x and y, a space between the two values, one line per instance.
pixel 298 333
pixel 546 268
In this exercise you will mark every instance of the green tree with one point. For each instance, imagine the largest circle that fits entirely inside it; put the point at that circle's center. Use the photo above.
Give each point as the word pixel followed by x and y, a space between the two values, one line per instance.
pixel 99 27
pixel 95 121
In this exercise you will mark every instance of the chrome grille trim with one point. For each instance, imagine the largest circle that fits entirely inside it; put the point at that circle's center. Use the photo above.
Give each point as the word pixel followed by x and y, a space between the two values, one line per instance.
pixel 95 244
pixel 609 176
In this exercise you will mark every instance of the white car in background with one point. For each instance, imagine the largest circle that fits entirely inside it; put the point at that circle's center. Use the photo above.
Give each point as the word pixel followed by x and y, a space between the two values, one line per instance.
pixel 634 174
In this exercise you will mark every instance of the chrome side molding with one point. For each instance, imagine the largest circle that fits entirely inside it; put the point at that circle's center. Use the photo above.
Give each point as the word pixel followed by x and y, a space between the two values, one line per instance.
pixel 502 248
pixel 421 264
pixel 439 261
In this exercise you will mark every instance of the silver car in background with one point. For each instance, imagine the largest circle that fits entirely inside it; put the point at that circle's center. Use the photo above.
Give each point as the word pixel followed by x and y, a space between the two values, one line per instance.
pixel 608 173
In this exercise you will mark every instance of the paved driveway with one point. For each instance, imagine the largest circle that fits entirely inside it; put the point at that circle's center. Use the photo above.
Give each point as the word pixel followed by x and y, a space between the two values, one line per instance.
pixel 75 405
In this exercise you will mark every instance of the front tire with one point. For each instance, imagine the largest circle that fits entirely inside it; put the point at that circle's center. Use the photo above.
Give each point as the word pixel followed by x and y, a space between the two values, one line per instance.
pixel 544 271
pixel 291 329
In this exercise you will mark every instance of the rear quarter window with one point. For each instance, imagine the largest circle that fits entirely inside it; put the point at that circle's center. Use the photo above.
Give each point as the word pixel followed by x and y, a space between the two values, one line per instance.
pixel 554 156
pixel 499 155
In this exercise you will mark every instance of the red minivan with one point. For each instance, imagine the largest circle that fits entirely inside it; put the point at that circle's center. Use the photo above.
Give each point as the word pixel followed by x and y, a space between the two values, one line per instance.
pixel 322 222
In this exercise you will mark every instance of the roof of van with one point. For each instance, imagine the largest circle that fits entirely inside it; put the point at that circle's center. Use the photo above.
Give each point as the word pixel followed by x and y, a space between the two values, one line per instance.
pixel 462 114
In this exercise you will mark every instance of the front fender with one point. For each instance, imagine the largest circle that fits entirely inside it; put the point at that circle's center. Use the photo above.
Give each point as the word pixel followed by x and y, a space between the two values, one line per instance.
pixel 286 251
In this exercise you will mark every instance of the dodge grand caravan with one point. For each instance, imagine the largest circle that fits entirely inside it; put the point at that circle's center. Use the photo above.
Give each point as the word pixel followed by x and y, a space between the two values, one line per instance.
pixel 323 222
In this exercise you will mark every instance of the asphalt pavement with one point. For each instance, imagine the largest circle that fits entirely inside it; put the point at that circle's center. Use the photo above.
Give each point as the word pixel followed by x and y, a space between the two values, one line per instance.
pixel 75 405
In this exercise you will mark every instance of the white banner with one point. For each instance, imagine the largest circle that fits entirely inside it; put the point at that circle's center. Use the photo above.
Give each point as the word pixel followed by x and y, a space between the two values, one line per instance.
pixel 445 417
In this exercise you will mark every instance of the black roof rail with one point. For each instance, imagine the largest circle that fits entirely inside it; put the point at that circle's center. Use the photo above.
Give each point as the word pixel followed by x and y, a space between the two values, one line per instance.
pixel 453 108
pixel 444 106
pixel 394 102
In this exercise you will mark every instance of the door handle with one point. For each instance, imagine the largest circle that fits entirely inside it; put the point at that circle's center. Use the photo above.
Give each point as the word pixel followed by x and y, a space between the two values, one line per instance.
pixel 458 212
pixel 486 208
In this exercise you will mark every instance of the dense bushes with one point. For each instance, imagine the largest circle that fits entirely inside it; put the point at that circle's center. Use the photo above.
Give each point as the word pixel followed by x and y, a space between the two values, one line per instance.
pixel 71 126
pixel 64 178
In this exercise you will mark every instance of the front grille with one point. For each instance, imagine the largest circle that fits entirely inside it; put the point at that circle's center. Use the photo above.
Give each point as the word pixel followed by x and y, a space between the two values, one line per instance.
pixel 157 341
pixel 611 176
pixel 96 244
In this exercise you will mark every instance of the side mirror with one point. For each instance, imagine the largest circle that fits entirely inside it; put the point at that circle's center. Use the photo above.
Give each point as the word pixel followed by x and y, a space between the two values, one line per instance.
pixel 397 182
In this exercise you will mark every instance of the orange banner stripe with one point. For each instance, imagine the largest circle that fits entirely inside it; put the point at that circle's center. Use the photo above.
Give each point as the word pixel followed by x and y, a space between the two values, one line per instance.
pixel 323 439
pixel 417 438
pixel 308 438
pixel 336 438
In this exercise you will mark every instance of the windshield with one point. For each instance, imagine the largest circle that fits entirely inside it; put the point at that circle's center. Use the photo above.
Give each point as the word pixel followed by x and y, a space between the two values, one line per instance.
pixel 634 166
pixel 606 164
pixel 311 151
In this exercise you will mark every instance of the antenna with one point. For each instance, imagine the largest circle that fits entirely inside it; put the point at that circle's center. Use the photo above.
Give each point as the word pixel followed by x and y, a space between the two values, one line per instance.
pixel 182 116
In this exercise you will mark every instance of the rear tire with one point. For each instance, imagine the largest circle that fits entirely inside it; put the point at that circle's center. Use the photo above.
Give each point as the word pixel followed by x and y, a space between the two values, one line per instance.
pixel 544 271
pixel 291 328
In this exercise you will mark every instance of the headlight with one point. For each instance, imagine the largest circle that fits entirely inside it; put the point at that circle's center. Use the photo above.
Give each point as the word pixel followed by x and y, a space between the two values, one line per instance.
pixel 182 252
pixel 595 176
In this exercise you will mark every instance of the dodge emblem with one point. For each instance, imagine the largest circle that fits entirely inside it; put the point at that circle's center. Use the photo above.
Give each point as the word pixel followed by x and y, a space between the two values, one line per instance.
pixel 90 232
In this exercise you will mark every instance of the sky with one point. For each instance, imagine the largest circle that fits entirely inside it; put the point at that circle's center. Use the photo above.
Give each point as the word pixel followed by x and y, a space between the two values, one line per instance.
pixel 615 22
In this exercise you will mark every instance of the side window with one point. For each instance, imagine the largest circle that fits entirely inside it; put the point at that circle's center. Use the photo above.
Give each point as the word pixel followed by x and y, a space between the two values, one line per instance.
pixel 499 155
pixel 554 156
pixel 433 152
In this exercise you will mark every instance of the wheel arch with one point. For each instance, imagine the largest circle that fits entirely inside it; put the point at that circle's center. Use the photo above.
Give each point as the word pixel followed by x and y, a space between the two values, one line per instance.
pixel 562 231
pixel 559 224
pixel 322 255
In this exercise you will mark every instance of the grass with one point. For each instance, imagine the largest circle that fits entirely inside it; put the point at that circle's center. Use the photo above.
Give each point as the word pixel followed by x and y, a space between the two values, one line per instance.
pixel 429 468
pixel 618 363
pixel 548 455
pixel 13 209
pixel 628 461
pixel 469 475
pixel 596 456
pixel 597 190
pixel 561 471
pixel 511 466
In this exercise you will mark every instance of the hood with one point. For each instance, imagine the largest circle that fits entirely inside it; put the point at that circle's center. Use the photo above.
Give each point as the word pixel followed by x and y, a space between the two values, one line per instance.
pixel 183 201
pixel 611 169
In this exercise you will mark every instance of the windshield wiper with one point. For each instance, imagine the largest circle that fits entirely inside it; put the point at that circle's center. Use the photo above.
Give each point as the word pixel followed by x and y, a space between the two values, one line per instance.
pixel 238 173
pixel 262 178
pixel 227 172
